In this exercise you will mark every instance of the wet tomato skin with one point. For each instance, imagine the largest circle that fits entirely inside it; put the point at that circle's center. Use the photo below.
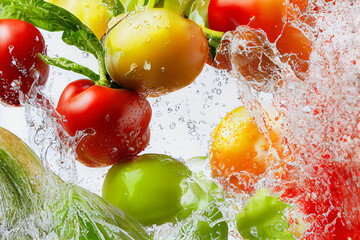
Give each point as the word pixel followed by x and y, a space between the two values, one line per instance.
pixel 115 122
pixel 155 52
pixel 226 15
pixel 238 153
pixel 20 67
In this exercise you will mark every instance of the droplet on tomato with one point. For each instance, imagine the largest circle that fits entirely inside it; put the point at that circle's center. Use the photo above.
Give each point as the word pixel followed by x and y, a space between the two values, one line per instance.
pixel 11 48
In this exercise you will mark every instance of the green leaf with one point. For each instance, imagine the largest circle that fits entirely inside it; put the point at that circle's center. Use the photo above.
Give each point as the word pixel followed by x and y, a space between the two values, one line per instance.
pixel 198 12
pixel 36 201
pixel 264 218
pixel 198 192
pixel 115 7
pixel 135 5
pixel 56 19
pixel 71 66
pixel 205 224
pixel 178 6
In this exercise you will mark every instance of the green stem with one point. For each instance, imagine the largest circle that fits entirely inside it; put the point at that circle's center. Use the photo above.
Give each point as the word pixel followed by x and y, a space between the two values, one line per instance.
pixel 103 80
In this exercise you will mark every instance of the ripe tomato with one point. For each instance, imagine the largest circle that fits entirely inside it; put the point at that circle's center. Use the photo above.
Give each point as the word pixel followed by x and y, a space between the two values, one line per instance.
pixel 296 48
pixel 20 67
pixel 115 120
pixel 91 12
pixel 226 15
pixel 238 154
pixel 155 52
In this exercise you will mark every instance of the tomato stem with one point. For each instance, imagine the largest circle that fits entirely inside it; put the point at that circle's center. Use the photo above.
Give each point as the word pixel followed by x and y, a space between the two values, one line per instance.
pixel 103 80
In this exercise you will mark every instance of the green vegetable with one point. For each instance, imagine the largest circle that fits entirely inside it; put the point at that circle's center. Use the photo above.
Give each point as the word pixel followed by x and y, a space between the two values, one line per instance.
pixel 114 6
pixel 155 189
pixel 177 6
pixel 203 225
pixel 35 201
pixel 70 65
pixel 264 218
pixel 198 12
pixel 56 19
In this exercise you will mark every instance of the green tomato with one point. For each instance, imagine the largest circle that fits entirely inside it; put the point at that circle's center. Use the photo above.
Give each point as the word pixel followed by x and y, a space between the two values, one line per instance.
pixel 148 189
pixel 264 218
pixel 155 51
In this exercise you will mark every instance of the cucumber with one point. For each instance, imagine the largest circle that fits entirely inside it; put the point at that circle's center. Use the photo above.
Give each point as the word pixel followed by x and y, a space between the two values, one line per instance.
pixel 36 204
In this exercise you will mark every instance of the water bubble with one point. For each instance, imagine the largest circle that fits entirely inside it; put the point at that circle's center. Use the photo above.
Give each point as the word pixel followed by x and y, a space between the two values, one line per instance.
pixel 172 125
pixel 162 69
pixel 11 48
pixel 158 113
pixel 147 65
pixel 85 54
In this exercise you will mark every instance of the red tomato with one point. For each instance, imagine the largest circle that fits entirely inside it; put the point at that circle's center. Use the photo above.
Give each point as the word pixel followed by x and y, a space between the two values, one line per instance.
pixel 20 67
pixel 295 48
pixel 116 122
pixel 226 15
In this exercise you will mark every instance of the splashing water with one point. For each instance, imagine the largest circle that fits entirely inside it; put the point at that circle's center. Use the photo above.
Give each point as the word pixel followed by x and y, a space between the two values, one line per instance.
pixel 317 118
pixel 318 167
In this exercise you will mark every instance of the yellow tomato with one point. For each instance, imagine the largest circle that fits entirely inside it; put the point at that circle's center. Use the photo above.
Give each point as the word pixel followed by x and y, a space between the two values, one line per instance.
pixel 239 151
pixel 91 12
pixel 155 51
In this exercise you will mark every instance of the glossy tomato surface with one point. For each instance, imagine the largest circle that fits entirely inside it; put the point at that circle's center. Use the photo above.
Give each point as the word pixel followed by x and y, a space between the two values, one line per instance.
pixel 148 188
pixel 115 122
pixel 155 51
pixel 238 153
pixel 20 67
pixel 226 15
pixel 90 12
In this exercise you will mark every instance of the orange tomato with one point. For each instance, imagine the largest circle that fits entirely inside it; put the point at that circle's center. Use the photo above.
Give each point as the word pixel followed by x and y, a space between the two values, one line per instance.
pixel 295 48
pixel 238 154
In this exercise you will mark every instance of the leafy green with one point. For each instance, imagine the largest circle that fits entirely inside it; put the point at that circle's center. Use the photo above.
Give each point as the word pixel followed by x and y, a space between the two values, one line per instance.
pixel 36 201
pixel 178 6
pixel 56 19
pixel 203 225
pixel 70 65
pixel 264 218
pixel 134 5
pixel 115 7
pixel 198 12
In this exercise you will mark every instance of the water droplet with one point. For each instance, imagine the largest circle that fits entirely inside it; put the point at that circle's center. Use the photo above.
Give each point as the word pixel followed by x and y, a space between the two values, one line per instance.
pixel 158 113
pixel 16 84
pixel 162 69
pixel 85 54
pixel 157 16
pixel 147 65
pixel 172 125
pixel 11 48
